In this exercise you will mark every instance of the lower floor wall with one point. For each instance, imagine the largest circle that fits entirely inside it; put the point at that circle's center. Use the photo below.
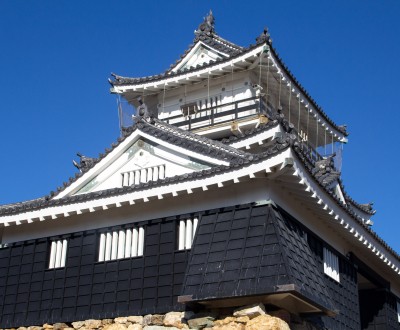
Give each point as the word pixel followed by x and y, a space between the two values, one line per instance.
pixel 30 293
pixel 85 288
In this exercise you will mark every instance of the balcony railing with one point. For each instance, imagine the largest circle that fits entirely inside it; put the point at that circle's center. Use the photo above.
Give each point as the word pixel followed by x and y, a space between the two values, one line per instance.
pixel 217 114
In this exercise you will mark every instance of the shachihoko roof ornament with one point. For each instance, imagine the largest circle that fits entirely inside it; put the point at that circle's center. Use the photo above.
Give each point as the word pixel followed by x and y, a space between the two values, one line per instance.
pixel 207 26
pixel 84 163
pixel 264 37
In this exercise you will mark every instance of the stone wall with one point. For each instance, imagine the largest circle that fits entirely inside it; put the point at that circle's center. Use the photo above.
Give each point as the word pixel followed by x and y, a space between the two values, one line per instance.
pixel 253 317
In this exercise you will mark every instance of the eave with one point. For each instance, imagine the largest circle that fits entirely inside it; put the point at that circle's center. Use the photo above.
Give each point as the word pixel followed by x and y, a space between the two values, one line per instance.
pixel 171 186
pixel 281 163
pixel 169 80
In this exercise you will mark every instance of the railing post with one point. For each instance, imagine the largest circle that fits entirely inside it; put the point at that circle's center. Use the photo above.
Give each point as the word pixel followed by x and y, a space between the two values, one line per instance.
pixel 236 110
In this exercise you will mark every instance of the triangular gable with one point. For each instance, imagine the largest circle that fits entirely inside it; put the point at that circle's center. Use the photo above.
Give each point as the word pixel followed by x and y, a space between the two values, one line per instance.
pixel 143 161
pixel 200 54
pixel 148 153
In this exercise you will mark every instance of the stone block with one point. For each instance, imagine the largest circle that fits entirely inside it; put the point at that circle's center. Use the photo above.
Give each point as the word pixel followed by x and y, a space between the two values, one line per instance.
pixel 157 319
pixel 135 319
pixel 106 321
pixel 266 322
pixel 78 324
pixel 229 326
pixel 251 311
pixel 200 323
pixel 92 324
pixel 147 319
pixel 121 320
pixel 60 326
pixel 135 326
pixel 115 326
pixel 224 321
pixel 174 319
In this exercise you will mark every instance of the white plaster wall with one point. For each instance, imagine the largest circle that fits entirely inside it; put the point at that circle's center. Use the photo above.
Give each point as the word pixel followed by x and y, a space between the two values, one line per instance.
pixel 235 89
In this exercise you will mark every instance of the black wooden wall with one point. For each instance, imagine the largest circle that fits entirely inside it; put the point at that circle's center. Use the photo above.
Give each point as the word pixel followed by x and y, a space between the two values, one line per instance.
pixel 379 310
pixel 343 294
pixel 32 294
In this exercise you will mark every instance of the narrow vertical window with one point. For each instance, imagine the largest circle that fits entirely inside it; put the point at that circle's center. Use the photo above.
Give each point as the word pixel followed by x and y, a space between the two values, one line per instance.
pixel 331 264
pixel 398 311
pixel 186 231
pixel 119 244
pixel 58 253
pixel 102 246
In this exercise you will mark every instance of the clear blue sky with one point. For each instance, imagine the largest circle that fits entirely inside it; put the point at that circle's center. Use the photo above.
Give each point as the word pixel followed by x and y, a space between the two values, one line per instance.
pixel 56 56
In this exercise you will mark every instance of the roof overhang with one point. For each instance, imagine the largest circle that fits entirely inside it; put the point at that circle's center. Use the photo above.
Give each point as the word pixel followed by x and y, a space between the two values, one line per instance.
pixel 240 62
pixel 131 196
pixel 283 164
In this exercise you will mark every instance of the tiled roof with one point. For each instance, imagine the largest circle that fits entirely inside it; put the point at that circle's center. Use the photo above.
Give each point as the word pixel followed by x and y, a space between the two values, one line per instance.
pixel 367 208
pixel 264 38
pixel 325 179
pixel 213 40
pixel 160 130
pixel 203 145
pixel 124 81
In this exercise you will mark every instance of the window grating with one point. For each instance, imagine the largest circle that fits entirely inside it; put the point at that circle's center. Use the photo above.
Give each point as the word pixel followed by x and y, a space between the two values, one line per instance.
pixel 331 264
pixel 58 253
pixel 187 230
pixel 123 243
pixel 398 311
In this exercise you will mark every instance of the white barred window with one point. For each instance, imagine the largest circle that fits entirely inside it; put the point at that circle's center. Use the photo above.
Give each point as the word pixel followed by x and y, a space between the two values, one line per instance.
pixel 331 264
pixel 58 253
pixel 187 229
pixel 398 311
pixel 123 243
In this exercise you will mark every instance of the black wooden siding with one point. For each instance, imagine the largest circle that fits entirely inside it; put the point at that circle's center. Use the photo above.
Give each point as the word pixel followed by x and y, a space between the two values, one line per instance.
pixel 250 250
pixel 32 294
pixel 379 310
pixel 343 294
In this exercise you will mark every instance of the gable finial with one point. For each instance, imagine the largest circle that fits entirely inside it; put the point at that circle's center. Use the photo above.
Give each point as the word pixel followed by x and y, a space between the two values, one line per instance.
pixel 207 26
pixel 264 37
pixel 210 19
